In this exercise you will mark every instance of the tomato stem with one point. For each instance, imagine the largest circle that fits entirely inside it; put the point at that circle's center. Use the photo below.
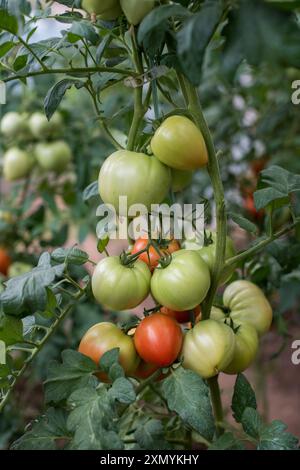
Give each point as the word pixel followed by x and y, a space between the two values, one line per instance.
pixel 216 403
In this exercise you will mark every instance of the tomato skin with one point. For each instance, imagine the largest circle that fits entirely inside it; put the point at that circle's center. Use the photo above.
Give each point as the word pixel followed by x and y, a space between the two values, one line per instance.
pixel 251 209
pixel 181 179
pixel 5 261
pixel 181 317
pixel 208 348
pixel 183 284
pixel 14 125
pixel 106 9
pixel 143 179
pixel 248 304
pixel 120 287
pixel 246 346
pixel 152 257
pixel 41 128
pixel 144 370
pixel 17 164
pixel 105 336
pixel 179 144
pixel 53 156
pixel 158 340
pixel 136 10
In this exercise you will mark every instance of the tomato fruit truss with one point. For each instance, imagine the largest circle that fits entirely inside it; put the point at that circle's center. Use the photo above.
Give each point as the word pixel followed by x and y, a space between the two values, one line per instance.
pixel 153 251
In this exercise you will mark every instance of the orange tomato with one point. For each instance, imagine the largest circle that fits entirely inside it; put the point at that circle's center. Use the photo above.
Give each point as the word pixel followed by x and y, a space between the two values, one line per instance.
pixel 5 261
pixel 152 257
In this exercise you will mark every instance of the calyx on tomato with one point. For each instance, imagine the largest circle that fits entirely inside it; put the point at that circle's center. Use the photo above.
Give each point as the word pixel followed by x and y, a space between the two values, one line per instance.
pixel 120 287
pixel 155 252
pixel 208 348
pixel 179 144
pixel 136 10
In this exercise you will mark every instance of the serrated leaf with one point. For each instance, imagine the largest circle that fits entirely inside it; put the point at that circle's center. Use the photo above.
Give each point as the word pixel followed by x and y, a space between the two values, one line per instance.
pixel 243 397
pixel 150 435
pixel 85 29
pixel 70 256
pixel 243 222
pixel 75 371
pixel 123 391
pixel 227 442
pixel 11 329
pixel 27 293
pixel 109 363
pixel 56 94
pixel 188 395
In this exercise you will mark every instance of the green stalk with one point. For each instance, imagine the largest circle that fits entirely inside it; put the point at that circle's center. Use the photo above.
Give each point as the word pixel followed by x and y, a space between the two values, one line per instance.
pixel 216 403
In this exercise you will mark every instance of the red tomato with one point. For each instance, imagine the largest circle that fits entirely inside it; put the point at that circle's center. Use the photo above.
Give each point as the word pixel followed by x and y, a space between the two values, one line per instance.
pixel 251 209
pixel 158 340
pixel 181 317
pixel 5 261
pixel 152 257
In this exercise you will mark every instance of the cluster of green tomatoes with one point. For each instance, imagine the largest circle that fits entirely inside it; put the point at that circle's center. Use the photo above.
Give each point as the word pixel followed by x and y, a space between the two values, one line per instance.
pixel 109 10
pixel 33 141
pixel 176 273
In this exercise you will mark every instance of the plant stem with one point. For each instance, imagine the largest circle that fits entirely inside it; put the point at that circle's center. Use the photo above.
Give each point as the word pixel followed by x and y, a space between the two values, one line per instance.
pixel 29 48
pixel 216 403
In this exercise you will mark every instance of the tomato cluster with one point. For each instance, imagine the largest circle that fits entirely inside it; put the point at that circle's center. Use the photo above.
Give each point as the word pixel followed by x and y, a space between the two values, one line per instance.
pixel 108 10
pixel 33 141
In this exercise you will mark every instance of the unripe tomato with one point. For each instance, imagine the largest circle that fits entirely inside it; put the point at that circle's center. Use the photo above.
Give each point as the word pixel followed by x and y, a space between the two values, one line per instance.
pixel 106 9
pixel 181 317
pixel 17 164
pixel 246 346
pixel 248 304
pixel 41 128
pixel 143 179
pixel 179 144
pixel 120 287
pixel 217 314
pixel 53 156
pixel 14 125
pixel 152 257
pixel 158 340
pixel 5 261
pixel 183 284
pixel 17 269
pixel 180 179
pixel 105 336
pixel 136 10
pixel 208 348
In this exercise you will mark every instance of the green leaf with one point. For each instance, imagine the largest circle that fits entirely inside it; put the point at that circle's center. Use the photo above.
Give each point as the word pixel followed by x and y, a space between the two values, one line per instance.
pixel 84 29
pixel 56 94
pixel 70 256
pixel 44 432
pixel 91 191
pixel 243 397
pixel 123 391
pixel 5 47
pixel 93 420
pixel 75 371
pixel 194 38
pixel 150 435
pixel 188 395
pixel 227 442
pixel 279 185
pixel 109 363
pixel 11 329
pixel 20 62
pixel 8 22
pixel 27 293
pixel 243 222
pixel 251 422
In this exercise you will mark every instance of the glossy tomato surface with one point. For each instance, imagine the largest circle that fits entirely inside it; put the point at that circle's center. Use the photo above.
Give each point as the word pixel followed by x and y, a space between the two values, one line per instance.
pixel 158 340
pixel 246 347
pixel 136 10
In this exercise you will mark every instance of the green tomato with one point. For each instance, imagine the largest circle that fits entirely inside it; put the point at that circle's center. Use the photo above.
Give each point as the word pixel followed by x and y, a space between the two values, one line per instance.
pixel 208 348
pixel 180 179
pixel 248 304
pixel 183 284
pixel 17 164
pixel 120 287
pixel 53 156
pixel 14 125
pixel 217 314
pixel 143 179
pixel 179 144
pixel 41 128
pixel 106 9
pixel 136 10
pixel 105 336
pixel 17 269
pixel 246 346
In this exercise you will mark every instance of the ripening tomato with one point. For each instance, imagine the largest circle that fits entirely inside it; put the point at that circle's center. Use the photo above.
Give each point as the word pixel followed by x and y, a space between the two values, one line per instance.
pixel 139 177
pixel 14 125
pixel 5 261
pixel 179 144
pixel 183 284
pixel 41 128
pixel 181 317
pixel 246 346
pixel 120 287
pixel 180 179
pixel 248 304
pixel 106 9
pixel 136 10
pixel 105 336
pixel 17 164
pixel 152 257
pixel 53 156
pixel 158 339
pixel 208 348
pixel 251 209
